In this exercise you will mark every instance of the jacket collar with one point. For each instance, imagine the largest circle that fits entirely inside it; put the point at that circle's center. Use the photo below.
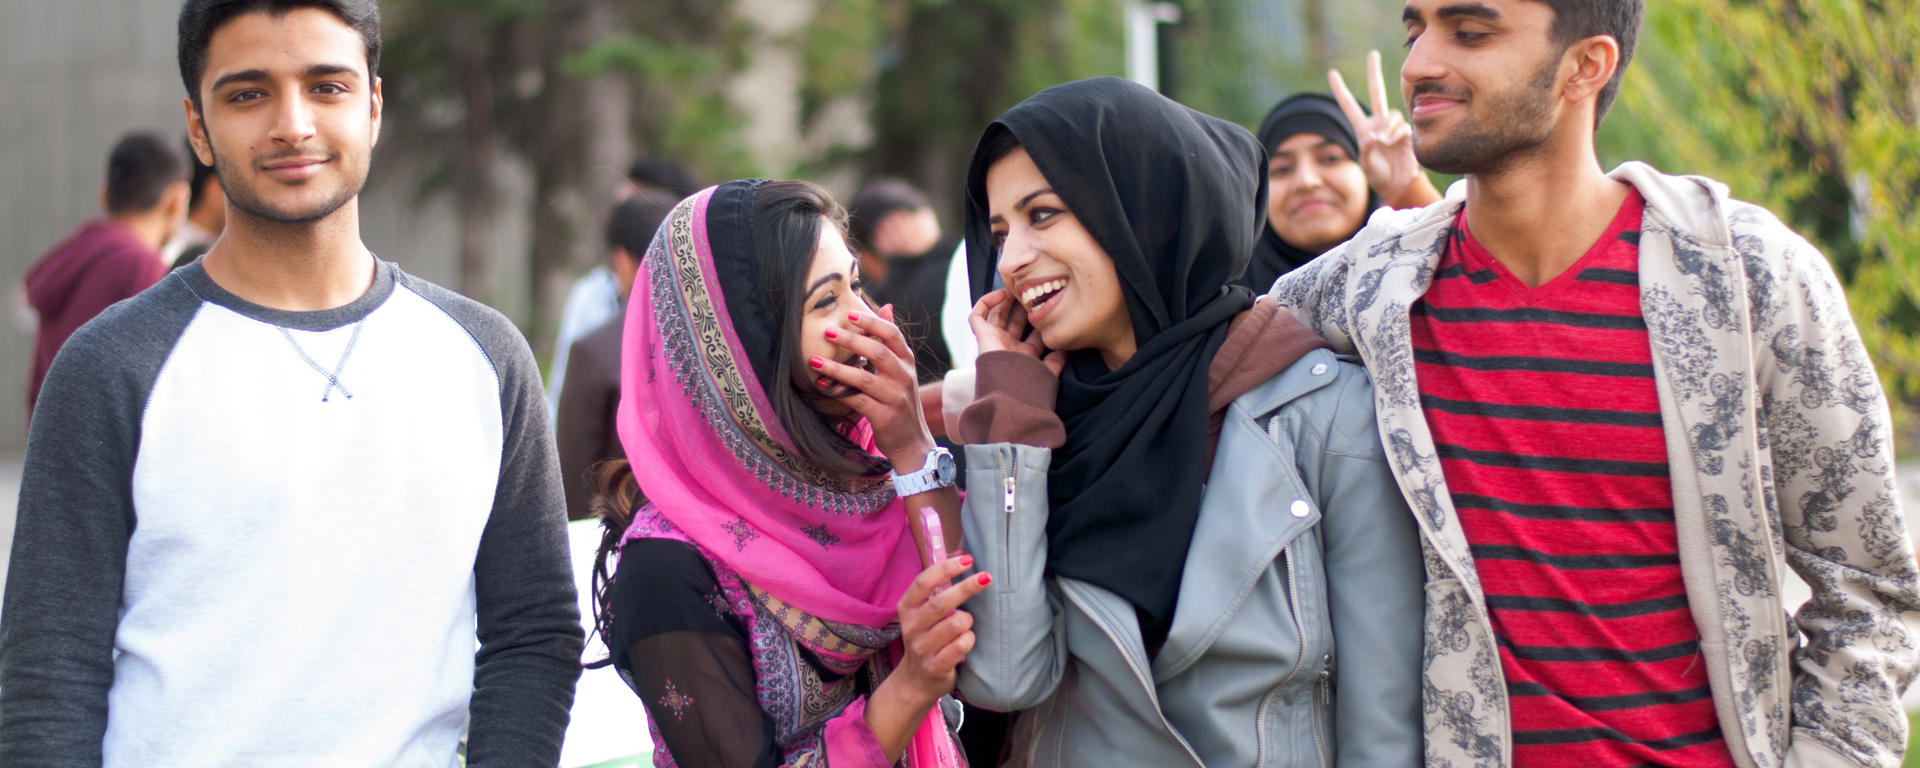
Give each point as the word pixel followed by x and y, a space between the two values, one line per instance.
pixel 1255 505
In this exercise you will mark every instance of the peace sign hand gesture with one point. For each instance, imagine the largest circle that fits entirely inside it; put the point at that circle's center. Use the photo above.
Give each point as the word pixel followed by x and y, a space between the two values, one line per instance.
pixel 1386 141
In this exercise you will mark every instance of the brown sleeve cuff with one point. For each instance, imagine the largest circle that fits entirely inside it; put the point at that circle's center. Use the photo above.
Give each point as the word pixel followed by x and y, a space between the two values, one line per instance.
pixel 1013 402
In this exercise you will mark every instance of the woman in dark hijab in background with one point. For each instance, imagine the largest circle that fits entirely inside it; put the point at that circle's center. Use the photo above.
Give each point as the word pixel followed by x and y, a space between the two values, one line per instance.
pixel 1324 179
pixel 1192 525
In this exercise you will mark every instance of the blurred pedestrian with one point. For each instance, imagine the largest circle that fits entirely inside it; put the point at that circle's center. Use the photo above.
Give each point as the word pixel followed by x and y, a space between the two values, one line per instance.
pixel 594 299
pixel 769 600
pixel 206 216
pixel 111 258
pixel 1168 475
pixel 1622 405
pixel 583 424
pixel 291 505
pixel 903 261
pixel 889 219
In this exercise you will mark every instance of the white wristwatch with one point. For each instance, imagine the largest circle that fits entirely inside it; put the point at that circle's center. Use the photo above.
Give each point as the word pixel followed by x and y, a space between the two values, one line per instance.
pixel 938 473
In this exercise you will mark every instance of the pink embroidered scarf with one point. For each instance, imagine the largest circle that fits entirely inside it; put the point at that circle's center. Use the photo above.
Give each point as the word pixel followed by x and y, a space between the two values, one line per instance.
pixel 712 458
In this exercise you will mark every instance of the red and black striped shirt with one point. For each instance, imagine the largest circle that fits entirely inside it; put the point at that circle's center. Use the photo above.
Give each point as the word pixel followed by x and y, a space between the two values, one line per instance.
pixel 1544 411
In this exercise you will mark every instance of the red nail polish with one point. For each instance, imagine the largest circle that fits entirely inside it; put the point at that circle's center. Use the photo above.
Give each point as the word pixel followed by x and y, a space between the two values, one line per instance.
pixel 816 362
pixel 832 334
pixel 854 316
pixel 822 383
pixel 985 579
pixel 966 561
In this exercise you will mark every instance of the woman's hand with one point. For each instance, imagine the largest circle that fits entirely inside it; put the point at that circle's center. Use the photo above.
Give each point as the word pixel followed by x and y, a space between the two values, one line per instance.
pixel 1000 323
pixel 888 395
pixel 1386 141
pixel 936 634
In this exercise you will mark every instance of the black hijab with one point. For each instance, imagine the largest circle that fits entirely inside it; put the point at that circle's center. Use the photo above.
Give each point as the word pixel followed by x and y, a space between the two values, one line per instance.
pixel 1176 198
pixel 1318 114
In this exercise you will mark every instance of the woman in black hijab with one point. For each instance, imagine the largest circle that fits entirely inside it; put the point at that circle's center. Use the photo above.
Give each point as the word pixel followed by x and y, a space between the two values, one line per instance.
pixel 1182 519
pixel 1319 192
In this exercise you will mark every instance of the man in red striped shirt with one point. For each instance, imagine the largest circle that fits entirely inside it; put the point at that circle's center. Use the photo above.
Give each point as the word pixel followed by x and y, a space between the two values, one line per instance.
pixel 1621 405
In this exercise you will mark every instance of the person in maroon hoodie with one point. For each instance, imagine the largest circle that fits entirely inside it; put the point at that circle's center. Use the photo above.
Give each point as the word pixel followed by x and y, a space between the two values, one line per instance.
pixel 111 258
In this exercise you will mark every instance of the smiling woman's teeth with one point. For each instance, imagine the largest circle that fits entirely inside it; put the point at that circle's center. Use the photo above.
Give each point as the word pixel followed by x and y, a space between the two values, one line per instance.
pixel 1035 292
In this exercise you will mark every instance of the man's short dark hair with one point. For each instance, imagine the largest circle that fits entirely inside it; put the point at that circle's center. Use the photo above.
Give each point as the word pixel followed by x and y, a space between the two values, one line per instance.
pixel 1575 20
pixel 634 220
pixel 875 200
pixel 199 19
pixel 139 170
pixel 670 176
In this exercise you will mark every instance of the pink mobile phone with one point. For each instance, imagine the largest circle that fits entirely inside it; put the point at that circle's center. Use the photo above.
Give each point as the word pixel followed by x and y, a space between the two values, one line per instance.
pixel 936 538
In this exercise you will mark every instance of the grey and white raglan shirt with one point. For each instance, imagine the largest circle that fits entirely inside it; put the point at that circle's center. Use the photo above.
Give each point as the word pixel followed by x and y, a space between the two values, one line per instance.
pixel 254 537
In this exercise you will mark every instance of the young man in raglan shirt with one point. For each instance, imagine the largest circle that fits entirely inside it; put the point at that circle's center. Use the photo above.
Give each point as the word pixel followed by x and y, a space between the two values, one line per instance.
pixel 269 503
pixel 1620 405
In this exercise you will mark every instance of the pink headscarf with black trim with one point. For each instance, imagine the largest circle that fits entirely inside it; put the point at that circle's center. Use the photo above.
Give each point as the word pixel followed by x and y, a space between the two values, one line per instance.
pixel 711 456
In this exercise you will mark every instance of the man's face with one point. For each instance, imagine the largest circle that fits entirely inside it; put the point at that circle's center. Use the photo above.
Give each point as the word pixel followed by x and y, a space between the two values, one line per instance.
pixel 289 114
pixel 1480 80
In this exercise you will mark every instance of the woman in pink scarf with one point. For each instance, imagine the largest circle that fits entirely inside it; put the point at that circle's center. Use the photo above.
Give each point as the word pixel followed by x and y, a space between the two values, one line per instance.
pixel 769 603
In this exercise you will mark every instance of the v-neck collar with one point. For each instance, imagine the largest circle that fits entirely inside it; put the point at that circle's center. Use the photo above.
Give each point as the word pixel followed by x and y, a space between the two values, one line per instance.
pixel 1474 257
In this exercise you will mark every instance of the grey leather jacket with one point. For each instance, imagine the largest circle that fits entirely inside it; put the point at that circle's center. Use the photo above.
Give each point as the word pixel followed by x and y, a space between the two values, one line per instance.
pixel 1302 538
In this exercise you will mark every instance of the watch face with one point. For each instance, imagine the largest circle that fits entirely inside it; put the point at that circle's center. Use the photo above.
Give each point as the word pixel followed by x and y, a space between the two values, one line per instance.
pixel 943 468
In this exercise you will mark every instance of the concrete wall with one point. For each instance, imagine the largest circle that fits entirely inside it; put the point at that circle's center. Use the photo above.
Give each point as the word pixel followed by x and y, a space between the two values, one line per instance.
pixel 74 76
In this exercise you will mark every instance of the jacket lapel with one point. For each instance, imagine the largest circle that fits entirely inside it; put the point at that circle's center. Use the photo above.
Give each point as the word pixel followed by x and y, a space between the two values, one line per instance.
pixel 1246 516
pixel 1694 297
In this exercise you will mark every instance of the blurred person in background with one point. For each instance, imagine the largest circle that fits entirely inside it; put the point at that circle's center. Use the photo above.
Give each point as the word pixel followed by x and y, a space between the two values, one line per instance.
pixel 206 216
pixel 1623 405
pixel 893 230
pixel 768 597
pixel 111 258
pixel 291 505
pixel 583 423
pixel 1202 555
pixel 1325 178
pixel 595 298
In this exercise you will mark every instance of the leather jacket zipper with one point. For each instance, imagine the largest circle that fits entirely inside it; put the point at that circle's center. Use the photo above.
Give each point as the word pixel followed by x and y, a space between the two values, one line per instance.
pixel 1300 631
pixel 1007 471
pixel 1322 696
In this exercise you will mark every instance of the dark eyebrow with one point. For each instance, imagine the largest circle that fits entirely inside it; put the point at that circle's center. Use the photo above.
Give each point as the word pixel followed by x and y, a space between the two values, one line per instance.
pixel 1024 202
pixel 256 75
pixel 1324 143
pixel 824 279
pixel 327 70
pixel 1468 10
pixel 250 75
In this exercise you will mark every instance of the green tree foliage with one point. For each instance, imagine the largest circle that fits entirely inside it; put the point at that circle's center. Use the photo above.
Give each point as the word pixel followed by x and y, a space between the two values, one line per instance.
pixel 1810 108
pixel 557 85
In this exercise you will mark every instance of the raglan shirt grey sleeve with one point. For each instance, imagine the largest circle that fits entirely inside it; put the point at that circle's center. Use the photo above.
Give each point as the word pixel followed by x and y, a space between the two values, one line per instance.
pixel 76 514
pixel 529 622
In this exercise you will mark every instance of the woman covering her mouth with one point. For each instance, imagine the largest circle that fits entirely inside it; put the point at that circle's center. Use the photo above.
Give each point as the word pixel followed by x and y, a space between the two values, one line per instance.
pixel 1201 557
pixel 769 603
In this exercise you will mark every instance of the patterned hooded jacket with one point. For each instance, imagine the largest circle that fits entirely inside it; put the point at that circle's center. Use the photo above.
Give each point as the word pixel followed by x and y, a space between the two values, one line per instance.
pixel 1780 452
